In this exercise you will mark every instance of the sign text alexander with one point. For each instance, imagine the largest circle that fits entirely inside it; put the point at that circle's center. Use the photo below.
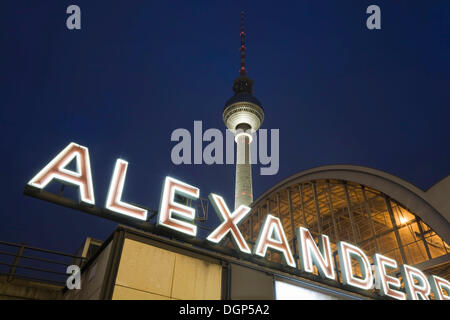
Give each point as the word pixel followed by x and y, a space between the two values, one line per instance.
pixel 181 218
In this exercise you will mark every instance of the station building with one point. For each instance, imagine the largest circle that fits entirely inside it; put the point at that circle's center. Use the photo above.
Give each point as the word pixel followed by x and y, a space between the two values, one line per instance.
pixel 376 211
pixel 371 209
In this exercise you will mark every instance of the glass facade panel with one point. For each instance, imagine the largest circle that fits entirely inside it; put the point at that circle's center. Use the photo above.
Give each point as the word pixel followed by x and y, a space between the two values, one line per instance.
pixel 409 233
pixel 380 215
pixel 436 245
pixel 415 252
pixel 401 215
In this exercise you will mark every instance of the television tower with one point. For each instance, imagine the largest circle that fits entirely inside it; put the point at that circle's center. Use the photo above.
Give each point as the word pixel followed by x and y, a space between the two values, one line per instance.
pixel 243 115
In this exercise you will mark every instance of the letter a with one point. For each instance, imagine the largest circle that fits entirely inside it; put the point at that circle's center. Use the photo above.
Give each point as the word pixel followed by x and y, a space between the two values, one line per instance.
pixel 56 169
pixel 373 21
pixel 272 236
pixel 74 20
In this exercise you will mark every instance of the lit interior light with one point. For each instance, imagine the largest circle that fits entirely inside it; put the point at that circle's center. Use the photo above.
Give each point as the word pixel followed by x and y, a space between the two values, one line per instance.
pixel 287 291
pixel 403 220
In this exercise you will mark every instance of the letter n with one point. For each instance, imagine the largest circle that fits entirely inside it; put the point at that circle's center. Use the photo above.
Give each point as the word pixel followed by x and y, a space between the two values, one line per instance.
pixel 311 254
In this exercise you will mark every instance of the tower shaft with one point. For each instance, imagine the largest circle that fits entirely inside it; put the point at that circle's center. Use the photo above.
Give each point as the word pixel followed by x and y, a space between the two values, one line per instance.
pixel 243 186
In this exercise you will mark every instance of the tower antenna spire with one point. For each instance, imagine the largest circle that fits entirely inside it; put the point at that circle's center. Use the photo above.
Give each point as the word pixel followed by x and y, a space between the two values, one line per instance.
pixel 242 71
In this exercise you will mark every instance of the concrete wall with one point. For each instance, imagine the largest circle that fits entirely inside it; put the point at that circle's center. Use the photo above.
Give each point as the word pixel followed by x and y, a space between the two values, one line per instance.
pixel 147 272
pixel 250 284
pixel 92 279
pixel 20 289
pixel 439 196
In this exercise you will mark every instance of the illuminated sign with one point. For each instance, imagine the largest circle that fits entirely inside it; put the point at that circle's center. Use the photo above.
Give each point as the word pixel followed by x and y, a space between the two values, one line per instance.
pixel 56 169
pixel 113 200
pixel 415 291
pixel 355 267
pixel 346 252
pixel 310 254
pixel 272 236
pixel 381 262
pixel 169 210
pixel 229 224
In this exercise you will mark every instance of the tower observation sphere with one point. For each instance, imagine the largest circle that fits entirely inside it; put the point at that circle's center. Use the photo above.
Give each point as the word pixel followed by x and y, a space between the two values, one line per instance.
pixel 243 115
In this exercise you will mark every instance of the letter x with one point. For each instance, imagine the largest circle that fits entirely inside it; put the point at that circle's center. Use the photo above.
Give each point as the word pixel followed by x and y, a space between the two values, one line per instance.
pixel 230 223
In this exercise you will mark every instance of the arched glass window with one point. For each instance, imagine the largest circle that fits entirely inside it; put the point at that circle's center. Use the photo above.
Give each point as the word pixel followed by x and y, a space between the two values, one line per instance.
pixel 351 212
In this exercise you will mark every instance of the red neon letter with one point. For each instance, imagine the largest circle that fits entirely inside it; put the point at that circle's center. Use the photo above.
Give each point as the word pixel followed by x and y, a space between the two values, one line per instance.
pixel 113 200
pixel 346 251
pixel 272 236
pixel 55 169
pixel 169 208
pixel 415 291
pixel 309 253
pixel 381 262
pixel 438 285
pixel 229 224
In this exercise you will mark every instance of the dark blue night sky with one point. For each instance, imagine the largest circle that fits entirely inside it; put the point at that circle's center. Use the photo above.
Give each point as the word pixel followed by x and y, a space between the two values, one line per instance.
pixel 137 70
